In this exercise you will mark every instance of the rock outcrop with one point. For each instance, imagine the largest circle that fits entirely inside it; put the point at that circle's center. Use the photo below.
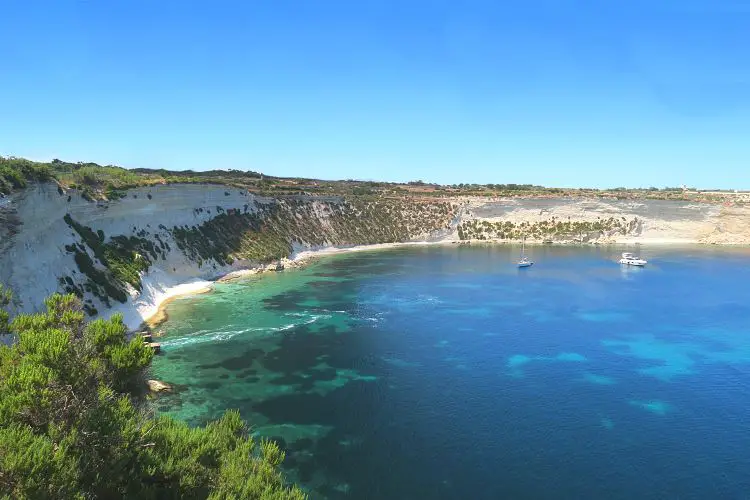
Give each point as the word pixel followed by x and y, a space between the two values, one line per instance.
pixel 158 386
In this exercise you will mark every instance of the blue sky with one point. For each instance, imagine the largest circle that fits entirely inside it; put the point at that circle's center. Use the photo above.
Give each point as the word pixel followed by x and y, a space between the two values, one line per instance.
pixel 560 93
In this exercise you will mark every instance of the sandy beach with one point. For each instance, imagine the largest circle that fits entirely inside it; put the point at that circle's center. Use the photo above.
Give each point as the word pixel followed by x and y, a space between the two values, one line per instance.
pixel 149 307
pixel 159 315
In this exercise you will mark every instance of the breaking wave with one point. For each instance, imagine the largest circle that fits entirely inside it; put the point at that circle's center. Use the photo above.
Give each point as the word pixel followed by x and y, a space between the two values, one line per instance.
pixel 202 336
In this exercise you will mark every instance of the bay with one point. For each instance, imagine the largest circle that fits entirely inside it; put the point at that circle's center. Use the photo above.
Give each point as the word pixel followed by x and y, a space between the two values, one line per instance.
pixel 446 372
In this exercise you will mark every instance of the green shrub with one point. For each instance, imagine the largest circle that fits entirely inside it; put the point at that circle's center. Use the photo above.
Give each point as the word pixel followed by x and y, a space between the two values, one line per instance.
pixel 124 259
pixel 15 173
pixel 72 423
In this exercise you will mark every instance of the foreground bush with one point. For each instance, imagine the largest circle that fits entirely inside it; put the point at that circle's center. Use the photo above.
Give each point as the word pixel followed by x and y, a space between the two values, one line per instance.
pixel 70 426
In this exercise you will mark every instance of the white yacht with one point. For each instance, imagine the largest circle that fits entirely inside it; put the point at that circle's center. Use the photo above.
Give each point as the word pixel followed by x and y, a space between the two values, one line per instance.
pixel 630 259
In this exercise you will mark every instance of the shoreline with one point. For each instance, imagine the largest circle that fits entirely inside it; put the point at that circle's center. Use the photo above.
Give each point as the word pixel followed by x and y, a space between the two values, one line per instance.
pixel 160 315
pixel 156 313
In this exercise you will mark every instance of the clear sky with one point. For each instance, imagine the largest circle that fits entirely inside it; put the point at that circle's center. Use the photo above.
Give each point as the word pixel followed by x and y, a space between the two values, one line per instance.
pixel 553 92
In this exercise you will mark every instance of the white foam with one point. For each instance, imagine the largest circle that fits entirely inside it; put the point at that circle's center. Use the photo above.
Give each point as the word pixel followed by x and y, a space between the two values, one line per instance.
pixel 202 336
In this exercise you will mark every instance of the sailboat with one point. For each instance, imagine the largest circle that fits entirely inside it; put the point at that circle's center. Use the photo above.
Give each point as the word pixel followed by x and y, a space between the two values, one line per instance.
pixel 524 262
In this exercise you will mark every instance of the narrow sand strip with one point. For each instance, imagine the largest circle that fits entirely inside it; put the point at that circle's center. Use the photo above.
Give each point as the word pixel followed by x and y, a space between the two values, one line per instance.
pixel 154 313
pixel 159 315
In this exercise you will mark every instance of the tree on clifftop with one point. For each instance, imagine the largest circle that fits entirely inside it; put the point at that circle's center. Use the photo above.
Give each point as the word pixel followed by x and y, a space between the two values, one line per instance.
pixel 70 426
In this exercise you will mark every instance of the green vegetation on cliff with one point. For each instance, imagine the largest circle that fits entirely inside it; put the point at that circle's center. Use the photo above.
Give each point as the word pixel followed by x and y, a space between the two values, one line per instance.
pixel 550 229
pixel 268 232
pixel 72 426
pixel 112 266
pixel 16 173
pixel 122 260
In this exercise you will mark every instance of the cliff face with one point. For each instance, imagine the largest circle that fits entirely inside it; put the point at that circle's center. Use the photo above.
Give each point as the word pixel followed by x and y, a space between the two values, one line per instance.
pixel 606 221
pixel 122 254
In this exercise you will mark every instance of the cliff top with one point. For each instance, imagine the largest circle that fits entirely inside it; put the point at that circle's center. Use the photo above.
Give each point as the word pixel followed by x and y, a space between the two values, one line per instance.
pixel 108 182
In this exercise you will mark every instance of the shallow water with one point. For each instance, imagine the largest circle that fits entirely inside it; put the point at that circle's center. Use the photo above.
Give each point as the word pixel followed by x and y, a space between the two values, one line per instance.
pixel 449 373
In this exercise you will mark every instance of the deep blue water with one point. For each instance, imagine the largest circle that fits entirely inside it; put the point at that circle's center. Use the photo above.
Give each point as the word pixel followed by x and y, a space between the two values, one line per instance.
pixel 448 373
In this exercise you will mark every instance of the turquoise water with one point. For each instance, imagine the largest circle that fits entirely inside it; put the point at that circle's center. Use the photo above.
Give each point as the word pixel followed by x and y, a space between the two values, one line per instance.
pixel 448 373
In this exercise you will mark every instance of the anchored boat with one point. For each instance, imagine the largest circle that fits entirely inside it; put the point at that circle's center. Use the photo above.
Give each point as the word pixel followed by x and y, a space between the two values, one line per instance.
pixel 630 259
pixel 524 262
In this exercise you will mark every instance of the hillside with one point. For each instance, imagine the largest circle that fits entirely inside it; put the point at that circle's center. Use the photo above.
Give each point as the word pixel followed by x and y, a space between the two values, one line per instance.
pixel 119 239
pixel 601 221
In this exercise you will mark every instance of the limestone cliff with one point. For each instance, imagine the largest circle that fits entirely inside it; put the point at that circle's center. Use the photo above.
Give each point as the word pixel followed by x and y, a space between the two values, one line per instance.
pixel 121 254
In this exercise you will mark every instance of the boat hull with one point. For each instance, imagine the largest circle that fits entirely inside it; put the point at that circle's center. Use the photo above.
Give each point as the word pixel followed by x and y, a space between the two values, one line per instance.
pixel 629 262
pixel 525 264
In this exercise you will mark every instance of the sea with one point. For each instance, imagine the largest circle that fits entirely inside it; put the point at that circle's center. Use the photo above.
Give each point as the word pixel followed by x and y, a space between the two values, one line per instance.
pixel 446 372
